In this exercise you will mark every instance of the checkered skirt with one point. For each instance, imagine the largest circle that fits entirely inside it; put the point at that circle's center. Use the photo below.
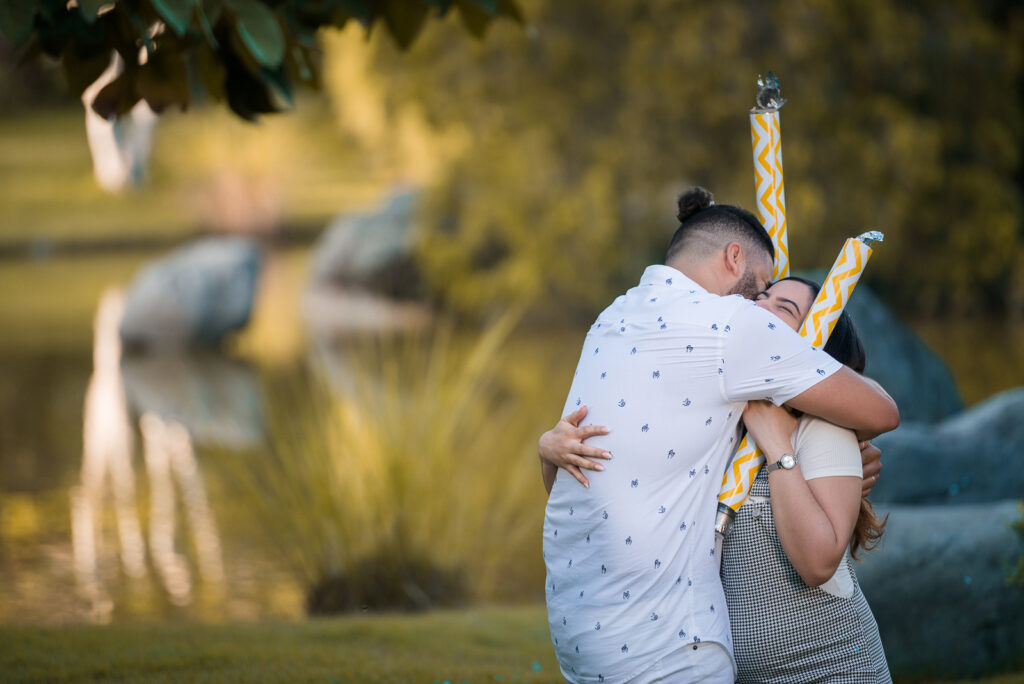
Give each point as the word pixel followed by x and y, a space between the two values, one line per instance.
pixel 784 630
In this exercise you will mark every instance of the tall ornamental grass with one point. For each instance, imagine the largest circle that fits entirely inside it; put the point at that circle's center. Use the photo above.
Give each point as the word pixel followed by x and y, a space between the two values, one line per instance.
pixel 402 471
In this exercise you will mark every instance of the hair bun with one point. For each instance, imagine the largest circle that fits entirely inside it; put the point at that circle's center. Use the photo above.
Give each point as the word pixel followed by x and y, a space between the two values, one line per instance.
pixel 692 201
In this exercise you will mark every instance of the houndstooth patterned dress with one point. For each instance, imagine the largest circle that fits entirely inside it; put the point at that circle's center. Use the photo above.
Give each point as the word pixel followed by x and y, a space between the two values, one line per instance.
pixel 784 630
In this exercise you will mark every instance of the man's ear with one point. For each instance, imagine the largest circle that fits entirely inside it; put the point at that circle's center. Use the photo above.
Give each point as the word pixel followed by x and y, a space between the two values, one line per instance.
pixel 735 262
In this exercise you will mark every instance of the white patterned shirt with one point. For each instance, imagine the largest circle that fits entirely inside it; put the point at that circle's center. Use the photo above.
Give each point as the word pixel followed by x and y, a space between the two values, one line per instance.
pixel 631 567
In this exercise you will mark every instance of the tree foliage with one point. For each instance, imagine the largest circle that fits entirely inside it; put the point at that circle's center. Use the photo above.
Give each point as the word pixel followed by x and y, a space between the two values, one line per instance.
pixel 901 117
pixel 250 53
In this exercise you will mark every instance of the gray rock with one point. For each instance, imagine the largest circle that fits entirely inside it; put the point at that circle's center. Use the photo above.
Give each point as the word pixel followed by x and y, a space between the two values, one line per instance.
pixel 912 373
pixel 972 457
pixel 939 589
pixel 371 251
pixel 196 295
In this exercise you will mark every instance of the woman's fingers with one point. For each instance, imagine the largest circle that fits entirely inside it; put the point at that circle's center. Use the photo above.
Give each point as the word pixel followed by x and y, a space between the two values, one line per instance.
pixel 586 463
pixel 592 452
pixel 586 431
pixel 578 474
pixel 871 457
pixel 576 416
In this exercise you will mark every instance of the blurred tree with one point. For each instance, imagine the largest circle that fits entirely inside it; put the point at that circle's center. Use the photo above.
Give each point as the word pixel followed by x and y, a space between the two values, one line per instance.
pixel 249 52
pixel 581 130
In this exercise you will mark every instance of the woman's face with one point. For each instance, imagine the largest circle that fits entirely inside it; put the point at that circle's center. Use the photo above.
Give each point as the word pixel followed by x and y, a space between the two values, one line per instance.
pixel 790 300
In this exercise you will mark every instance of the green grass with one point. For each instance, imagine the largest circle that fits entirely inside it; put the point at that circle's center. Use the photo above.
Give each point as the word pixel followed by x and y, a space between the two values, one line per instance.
pixel 487 645
pixel 484 645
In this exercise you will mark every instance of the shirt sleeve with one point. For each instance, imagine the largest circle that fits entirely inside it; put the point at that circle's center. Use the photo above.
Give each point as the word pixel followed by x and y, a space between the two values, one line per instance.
pixel 765 359
pixel 826 450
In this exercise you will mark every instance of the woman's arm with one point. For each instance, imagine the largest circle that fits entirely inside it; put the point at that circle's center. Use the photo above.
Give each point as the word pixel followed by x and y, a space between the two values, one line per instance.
pixel 814 519
pixel 562 446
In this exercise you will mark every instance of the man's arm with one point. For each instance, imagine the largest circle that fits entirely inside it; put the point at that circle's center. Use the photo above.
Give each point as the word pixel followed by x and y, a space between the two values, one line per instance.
pixel 852 401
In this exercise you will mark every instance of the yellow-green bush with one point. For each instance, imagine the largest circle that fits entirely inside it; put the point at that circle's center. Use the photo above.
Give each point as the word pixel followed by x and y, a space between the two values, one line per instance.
pixel 410 480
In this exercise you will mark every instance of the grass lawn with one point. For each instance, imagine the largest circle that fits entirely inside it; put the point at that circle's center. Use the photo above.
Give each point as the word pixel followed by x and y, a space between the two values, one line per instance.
pixel 480 645
pixel 489 645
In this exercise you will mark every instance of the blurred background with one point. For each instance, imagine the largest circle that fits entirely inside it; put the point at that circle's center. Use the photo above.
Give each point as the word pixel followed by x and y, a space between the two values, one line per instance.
pixel 298 366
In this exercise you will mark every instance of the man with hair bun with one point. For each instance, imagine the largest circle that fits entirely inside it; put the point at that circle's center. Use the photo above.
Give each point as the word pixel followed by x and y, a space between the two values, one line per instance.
pixel 633 588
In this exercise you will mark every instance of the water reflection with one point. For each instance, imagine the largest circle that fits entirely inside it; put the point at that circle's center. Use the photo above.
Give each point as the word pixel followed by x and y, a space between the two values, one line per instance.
pixel 107 439
pixel 208 488
pixel 168 451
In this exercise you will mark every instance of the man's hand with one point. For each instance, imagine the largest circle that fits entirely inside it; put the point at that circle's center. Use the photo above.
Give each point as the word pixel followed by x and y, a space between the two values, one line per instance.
pixel 562 446
pixel 871 458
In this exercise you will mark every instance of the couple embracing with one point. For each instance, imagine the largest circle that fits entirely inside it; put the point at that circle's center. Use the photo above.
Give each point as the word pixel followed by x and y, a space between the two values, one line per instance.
pixel 636 591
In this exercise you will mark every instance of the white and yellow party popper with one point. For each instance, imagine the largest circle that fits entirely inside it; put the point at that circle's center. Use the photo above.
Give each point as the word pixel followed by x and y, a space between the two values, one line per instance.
pixel 767 145
pixel 821 320
pixel 771 209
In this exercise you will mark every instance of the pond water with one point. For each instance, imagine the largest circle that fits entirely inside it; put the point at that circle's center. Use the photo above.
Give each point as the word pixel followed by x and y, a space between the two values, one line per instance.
pixel 279 474
pixel 243 483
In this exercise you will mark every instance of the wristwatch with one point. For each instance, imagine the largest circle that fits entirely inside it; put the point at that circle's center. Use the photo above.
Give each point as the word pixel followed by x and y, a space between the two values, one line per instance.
pixel 785 462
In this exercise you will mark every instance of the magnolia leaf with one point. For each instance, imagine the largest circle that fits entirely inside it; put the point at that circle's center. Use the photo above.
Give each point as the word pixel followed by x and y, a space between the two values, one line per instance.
pixel 240 54
pixel 301 26
pixel 260 31
pixel 205 22
pixel 489 6
pixel 211 71
pixel 81 70
pixel 177 13
pixel 117 97
pixel 163 80
pixel 17 20
pixel 298 66
pixel 404 20
pixel 211 9
pixel 247 96
pixel 279 88
pixel 358 9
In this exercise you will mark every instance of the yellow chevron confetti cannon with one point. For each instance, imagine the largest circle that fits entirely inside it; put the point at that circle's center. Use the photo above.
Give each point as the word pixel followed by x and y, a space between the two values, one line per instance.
pixel 767 143
pixel 820 321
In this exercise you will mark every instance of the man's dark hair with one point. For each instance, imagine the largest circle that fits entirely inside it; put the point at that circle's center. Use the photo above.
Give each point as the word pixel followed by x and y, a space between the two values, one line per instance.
pixel 699 216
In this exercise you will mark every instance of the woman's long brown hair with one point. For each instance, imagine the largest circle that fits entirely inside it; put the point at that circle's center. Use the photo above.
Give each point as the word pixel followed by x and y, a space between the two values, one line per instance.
pixel 844 346
pixel 869 529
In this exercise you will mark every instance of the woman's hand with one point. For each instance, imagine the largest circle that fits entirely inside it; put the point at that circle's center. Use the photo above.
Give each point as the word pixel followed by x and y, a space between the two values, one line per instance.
pixel 871 458
pixel 771 427
pixel 562 446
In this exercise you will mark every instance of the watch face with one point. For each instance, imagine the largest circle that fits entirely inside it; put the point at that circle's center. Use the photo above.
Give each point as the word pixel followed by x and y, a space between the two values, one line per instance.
pixel 787 461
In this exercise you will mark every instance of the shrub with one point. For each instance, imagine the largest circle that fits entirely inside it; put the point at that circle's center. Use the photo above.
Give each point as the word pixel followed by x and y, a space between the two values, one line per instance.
pixel 400 472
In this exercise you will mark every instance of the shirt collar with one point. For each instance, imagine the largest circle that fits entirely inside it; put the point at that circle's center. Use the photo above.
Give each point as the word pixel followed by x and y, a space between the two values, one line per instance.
pixel 660 274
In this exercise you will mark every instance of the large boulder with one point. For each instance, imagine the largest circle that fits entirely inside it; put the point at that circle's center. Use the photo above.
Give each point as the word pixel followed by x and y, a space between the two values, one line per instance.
pixel 371 251
pixel 939 588
pixel 195 296
pixel 972 457
pixel 916 378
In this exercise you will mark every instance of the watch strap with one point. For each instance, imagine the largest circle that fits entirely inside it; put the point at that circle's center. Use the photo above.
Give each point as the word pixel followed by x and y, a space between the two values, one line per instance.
pixel 778 464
